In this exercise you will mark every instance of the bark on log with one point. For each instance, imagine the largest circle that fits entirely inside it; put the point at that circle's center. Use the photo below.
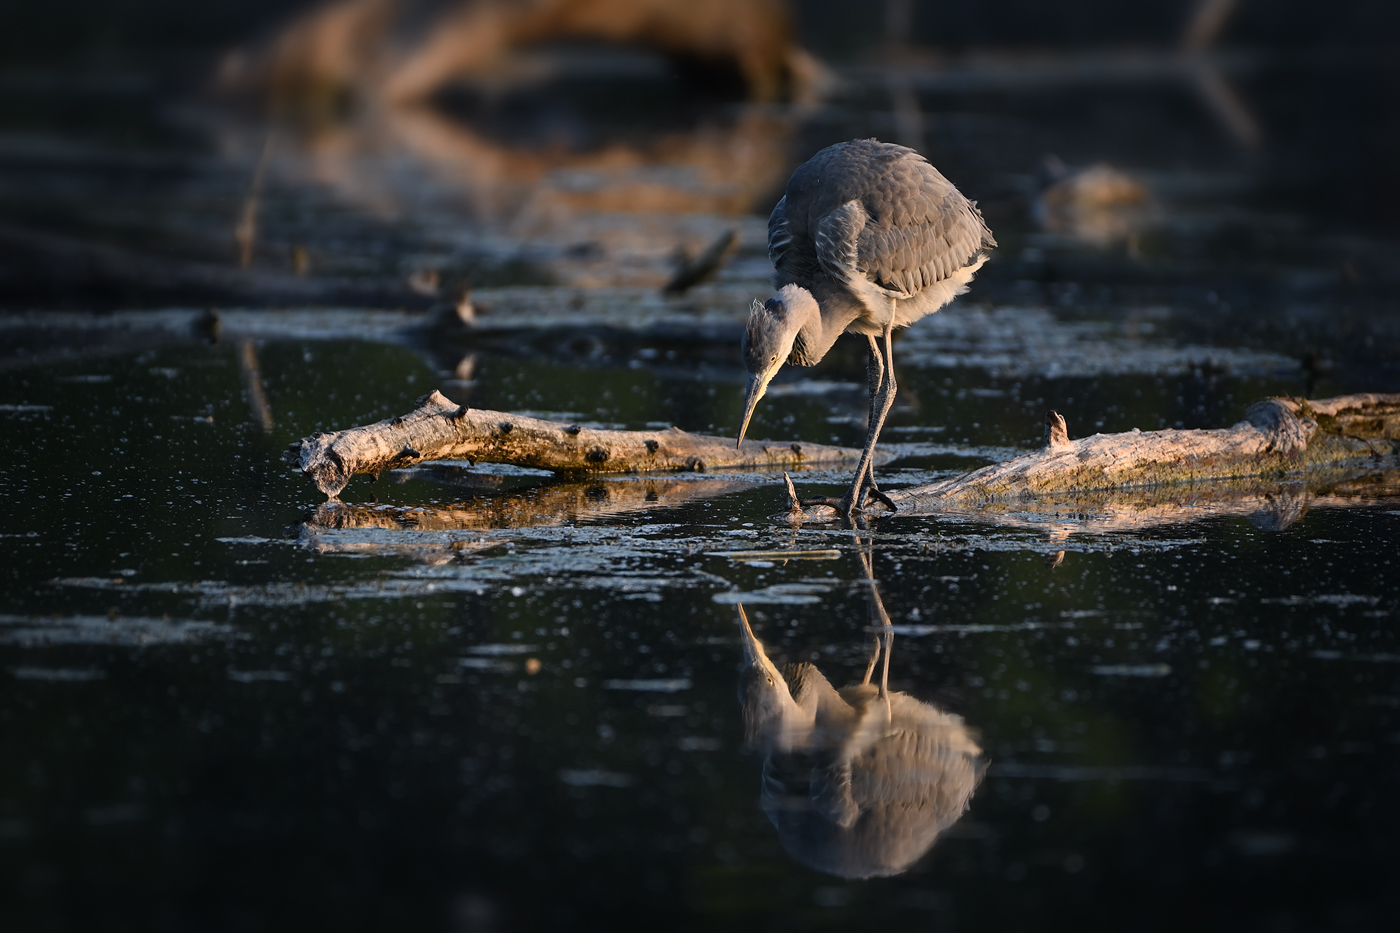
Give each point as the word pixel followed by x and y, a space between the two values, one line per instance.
pixel 442 430
pixel 1278 437
pixel 1268 504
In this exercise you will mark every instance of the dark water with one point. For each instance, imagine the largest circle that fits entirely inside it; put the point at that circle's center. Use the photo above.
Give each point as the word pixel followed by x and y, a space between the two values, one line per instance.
pixel 219 716
pixel 483 698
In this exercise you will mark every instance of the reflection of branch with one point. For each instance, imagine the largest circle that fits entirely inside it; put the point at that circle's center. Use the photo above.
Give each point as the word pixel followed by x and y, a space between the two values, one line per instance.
pixel 252 381
pixel 443 533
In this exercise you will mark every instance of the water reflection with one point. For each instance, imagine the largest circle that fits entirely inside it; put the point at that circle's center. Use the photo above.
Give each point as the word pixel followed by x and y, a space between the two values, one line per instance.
pixel 438 534
pixel 859 780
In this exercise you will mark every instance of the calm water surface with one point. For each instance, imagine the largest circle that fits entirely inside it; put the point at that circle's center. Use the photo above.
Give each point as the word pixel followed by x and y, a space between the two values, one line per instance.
pixel 463 705
pixel 487 699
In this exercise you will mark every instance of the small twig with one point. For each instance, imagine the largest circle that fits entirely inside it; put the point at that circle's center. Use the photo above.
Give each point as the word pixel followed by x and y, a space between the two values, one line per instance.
pixel 691 273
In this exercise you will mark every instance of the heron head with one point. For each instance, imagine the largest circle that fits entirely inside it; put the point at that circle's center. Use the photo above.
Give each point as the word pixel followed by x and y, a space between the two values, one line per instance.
pixel 763 692
pixel 768 339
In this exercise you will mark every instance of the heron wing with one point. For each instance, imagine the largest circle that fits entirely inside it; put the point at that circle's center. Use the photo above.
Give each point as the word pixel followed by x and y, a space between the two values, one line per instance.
pixel 837 242
pixel 932 234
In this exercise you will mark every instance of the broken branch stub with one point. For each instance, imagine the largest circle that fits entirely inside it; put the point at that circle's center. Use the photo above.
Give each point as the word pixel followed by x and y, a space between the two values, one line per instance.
pixel 439 429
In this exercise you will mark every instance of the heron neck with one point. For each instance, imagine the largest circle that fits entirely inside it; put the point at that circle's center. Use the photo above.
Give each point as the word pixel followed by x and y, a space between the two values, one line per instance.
pixel 818 325
pixel 816 332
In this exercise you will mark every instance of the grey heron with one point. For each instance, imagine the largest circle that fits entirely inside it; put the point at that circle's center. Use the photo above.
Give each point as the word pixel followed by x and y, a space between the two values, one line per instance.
pixel 867 237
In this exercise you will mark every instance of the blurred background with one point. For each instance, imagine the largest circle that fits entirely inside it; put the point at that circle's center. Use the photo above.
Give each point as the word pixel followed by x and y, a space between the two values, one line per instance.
pixel 371 152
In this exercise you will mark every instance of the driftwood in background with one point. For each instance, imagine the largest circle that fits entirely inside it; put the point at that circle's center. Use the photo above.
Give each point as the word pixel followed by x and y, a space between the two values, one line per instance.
pixel 442 430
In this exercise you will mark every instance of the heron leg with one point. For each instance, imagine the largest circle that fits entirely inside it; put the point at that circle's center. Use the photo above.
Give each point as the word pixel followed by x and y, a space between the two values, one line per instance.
pixel 877 417
pixel 864 483
pixel 875 374
pixel 880 406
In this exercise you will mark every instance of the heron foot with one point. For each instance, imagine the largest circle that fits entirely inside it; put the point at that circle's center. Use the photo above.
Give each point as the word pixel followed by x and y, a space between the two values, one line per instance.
pixel 862 493
pixel 884 499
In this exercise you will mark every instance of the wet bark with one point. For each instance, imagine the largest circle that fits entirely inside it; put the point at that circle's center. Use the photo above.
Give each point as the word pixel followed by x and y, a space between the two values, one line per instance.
pixel 1279 437
pixel 442 430
pixel 1271 505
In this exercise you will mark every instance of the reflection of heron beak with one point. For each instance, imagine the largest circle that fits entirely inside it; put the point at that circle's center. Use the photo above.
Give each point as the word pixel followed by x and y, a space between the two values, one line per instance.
pixel 752 647
pixel 758 384
pixel 754 655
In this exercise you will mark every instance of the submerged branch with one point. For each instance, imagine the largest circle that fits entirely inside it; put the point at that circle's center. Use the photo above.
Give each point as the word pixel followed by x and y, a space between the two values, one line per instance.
pixel 441 430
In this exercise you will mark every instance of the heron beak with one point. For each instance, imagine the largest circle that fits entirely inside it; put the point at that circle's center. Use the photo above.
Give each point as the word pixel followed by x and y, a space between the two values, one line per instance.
pixel 758 384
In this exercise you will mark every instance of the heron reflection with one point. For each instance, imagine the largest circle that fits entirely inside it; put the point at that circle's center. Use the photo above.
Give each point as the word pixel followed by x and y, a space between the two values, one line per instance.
pixel 859 780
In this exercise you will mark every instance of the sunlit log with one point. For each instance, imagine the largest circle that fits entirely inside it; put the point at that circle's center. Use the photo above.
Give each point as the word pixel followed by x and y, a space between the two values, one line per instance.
pixel 442 430
pixel 1279 438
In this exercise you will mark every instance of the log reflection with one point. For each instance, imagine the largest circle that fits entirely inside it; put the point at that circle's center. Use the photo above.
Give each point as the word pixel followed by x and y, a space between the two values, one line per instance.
pixel 437 534
pixel 859 781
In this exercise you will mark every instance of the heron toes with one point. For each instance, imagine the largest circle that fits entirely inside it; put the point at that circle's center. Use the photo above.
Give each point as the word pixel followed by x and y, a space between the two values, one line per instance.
pixel 883 499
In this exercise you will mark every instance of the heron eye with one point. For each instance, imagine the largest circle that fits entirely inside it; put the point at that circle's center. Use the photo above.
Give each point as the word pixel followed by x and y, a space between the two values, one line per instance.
pixel 770 680
pixel 774 359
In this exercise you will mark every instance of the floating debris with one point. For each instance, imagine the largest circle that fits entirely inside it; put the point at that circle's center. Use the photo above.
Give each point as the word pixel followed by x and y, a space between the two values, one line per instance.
pixel 595 778
pixel 829 554
pixel 661 685
pixel 1131 670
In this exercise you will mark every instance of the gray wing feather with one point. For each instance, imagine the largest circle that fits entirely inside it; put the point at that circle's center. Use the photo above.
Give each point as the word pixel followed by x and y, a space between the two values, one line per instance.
pixel 837 239
pixel 779 236
pixel 903 259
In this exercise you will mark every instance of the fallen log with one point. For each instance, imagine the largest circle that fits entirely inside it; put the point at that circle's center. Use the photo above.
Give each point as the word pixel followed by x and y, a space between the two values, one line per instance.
pixel 440 429
pixel 1278 438
pixel 1271 505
